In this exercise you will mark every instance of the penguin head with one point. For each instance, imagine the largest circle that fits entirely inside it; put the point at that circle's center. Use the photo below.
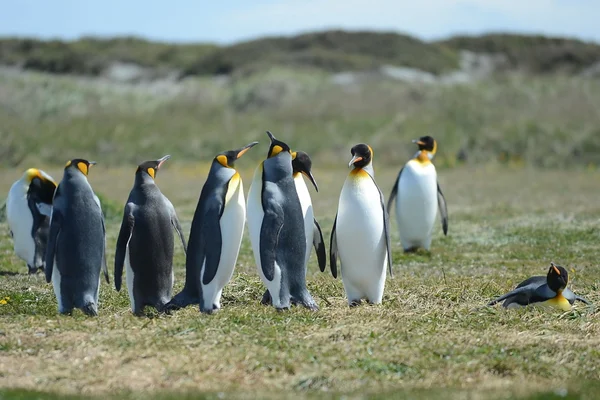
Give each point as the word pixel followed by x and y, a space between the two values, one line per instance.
pixel 228 158
pixel 362 154
pixel 80 165
pixel 557 278
pixel 427 144
pixel 40 182
pixel 301 163
pixel 151 167
pixel 277 146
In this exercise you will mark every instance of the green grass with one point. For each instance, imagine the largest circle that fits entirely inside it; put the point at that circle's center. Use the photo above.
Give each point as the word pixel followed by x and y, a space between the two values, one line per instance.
pixel 431 337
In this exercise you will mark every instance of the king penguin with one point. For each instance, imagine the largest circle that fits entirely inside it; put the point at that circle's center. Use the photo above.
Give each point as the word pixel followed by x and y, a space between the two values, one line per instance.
pixel 418 197
pixel 361 233
pixel 77 242
pixel 28 209
pixel 215 235
pixel 547 291
pixel 302 166
pixel 276 227
pixel 145 242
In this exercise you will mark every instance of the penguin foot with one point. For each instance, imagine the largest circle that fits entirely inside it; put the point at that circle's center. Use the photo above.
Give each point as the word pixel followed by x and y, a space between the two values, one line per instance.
pixel 182 300
pixel 411 249
pixel 90 309
pixel 266 299
pixel 33 270
pixel 355 303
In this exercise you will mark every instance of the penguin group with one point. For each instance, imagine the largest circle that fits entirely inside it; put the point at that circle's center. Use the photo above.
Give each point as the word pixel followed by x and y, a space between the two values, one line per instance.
pixel 60 229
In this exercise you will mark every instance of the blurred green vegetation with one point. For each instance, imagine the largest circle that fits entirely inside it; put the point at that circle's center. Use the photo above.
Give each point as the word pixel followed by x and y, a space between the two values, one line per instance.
pixel 334 50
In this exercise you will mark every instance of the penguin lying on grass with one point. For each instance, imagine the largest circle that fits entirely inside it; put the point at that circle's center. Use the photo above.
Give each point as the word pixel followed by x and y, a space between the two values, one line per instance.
pixel 550 290
pixel 77 242
pixel 28 209
pixel 215 235
pixel 145 242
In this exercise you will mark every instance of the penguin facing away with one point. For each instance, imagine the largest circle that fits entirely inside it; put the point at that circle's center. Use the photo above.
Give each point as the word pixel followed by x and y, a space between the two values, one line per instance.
pixel 28 209
pixel 76 243
pixel 276 227
pixel 361 234
pixel 302 165
pixel 215 235
pixel 418 197
pixel 145 242
pixel 548 291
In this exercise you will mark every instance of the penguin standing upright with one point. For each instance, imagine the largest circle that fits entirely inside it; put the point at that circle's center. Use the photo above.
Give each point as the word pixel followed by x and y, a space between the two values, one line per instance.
pixel 361 233
pixel 418 197
pixel 28 209
pixel 145 241
pixel 215 235
pixel 276 227
pixel 76 243
pixel 302 165
pixel 547 291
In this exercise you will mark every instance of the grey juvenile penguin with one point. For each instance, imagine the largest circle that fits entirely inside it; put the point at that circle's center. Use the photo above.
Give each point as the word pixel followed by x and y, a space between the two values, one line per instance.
pixel 145 242
pixel 276 226
pixel 76 243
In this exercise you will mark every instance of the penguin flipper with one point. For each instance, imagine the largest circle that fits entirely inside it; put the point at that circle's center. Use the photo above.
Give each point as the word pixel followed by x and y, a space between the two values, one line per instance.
pixel 55 226
pixel 386 228
pixel 572 297
pixel 524 290
pixel 443 209
pixel 333 250
pixel 394 191
pixel 319 244
pixel 269 238
pixel 39 219
pixel 104 264
pixel 211 240
pixel 124 235
pixel 176 224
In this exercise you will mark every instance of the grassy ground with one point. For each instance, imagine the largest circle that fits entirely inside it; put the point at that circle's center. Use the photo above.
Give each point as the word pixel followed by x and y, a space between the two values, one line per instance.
pixel 431 337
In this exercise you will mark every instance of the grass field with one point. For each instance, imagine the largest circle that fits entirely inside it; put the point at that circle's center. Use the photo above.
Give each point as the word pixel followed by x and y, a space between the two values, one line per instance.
pixel 431 337
pixel 517 161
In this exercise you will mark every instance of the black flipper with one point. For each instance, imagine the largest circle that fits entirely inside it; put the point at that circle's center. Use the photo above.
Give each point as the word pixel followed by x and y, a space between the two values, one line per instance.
pixel 55 226
pixel 386 228
pixel 333 250
pixel 518 291
pixel 319 244
pixel 177 226
pixel 211 239
pixel 38 232
pixel 104 262
pixel 443 209
pixel 394 192
pixel 572 297
pixel 269 239
pixel 124 235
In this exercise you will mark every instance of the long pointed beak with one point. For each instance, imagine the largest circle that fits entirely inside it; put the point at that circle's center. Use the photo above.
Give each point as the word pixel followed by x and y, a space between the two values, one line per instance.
pixel 310 176
pixel 162 160
pixel 92 163
pixel 354 159
pixel 417 141
pixel 270 135
pixel 244 149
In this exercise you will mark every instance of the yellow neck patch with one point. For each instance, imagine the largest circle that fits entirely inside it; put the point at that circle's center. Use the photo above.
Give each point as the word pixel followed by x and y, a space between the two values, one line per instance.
pixel 222 160
pixel 232 187
pixel 32 173
pixel 276 150
pixel 151 172
pixel 423 158
pixel 83 167
pixel 359 173
pixel 559 302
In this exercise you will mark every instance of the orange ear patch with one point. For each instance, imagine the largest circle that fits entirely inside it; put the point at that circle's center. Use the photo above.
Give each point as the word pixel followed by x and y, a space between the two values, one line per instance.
pixel 222 160
pixel 83 167
pixel 151 172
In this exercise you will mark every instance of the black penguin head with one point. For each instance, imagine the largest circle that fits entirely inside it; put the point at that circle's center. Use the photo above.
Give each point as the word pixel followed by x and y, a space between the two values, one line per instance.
pixel 557 278
pixel 151 167
pixel 301 163
pixel 40 183
pixel 277 146
pixel 427 143
pixel 227 158
pixel 81 165
pixel 362 154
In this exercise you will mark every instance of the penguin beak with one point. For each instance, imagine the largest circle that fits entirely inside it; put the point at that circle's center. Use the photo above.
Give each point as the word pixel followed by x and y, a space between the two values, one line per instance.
pixel 354 159
pixel 417 141
pixel 270 135
pixel 162 160
pixel 92 163
pixel 244 149
pixel 310 176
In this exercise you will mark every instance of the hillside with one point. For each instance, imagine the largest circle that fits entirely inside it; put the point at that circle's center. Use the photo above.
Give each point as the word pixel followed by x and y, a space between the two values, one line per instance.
pixel 331 51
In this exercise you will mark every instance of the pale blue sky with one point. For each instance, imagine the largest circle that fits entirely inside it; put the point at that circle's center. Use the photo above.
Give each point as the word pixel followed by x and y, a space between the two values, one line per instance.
pixel 230 21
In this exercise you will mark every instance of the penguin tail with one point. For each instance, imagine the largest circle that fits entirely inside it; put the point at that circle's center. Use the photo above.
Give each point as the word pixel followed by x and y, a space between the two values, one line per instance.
pixel 90 309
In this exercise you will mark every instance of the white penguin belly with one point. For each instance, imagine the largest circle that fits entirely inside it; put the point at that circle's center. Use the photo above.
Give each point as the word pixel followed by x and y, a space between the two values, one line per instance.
pixel 232 227
pixel 56 278
pixel 255 215
pixel 416 205
pixel 307 213
pixel 20 222
pixel 361 239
